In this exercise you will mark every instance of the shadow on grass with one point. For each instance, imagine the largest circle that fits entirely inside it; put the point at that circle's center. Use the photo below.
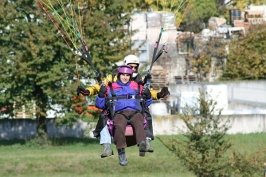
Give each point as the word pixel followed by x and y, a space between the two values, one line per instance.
pixel 12 142
pixel 53 141
pixel 73 141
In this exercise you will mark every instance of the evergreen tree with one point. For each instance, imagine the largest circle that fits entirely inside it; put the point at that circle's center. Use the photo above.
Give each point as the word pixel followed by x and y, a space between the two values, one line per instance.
pixel 203 146
pixel 38 70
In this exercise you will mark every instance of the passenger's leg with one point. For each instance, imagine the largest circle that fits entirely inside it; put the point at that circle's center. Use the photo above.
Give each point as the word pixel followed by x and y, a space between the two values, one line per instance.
pixel 120 123
pixel 105 141
pixel 137 122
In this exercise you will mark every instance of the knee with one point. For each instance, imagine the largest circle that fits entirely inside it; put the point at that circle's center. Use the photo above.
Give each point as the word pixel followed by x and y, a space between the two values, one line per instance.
pixel 139 124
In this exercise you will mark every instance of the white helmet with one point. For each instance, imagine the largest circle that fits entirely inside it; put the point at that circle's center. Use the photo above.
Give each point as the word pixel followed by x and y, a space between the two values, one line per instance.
pixel 132 59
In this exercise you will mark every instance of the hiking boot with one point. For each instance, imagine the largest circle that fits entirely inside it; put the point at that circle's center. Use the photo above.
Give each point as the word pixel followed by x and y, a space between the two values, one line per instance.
pixel 148 146
pixel 107 150
pixel 122 157
pixel 142 148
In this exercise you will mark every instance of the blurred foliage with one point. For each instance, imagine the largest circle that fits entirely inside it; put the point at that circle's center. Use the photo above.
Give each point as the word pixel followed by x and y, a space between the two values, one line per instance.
pixel 208 58
pixel 247 56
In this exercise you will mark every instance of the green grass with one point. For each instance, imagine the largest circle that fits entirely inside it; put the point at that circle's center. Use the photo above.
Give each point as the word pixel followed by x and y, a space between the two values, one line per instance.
pixel 81 157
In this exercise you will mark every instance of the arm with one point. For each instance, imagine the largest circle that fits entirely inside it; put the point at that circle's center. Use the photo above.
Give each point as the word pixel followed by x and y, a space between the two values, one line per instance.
pixel 158 95
pixel 148 102
pixel 147 95
pixel 100 102
pixel 163 93
pixel 94 90
pixel 154 95
pixel 100 99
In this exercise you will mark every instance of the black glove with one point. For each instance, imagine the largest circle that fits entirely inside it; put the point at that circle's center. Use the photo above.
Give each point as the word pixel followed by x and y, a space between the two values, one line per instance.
pixel 146 92
pixel 102 91
pixel 164 92
pixel 147 77
pixel 83 91
pixel 98 77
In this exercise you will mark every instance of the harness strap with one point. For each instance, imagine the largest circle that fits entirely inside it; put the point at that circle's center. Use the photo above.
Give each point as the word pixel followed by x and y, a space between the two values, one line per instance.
pixel 125 97
pixel 112 100
pixel 127 117
pixel 140 101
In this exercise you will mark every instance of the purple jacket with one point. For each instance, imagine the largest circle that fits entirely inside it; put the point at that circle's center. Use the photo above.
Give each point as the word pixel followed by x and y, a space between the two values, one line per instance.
pixel 120 89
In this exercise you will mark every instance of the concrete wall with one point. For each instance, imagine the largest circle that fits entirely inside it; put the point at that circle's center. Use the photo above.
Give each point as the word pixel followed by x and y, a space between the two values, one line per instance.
pixel 162 125
pixel 79 130
pixel 241 95
pixel 247 92
pixel 168 125
pixel 17 129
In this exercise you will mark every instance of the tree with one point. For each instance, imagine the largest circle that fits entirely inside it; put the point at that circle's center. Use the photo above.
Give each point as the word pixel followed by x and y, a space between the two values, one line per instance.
pixel 242 4
pixel 247 56
pixel 208 58
pixel 199 13
pixel 203 146
pixel 178 7
pixel 39 71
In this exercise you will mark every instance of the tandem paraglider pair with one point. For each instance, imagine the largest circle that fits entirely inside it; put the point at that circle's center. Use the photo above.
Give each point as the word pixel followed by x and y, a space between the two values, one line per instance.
pixel 124 101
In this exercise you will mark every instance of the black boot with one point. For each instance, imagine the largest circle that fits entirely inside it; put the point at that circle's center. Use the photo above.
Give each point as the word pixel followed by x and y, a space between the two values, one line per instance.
pixel 142 148
pixel 122 157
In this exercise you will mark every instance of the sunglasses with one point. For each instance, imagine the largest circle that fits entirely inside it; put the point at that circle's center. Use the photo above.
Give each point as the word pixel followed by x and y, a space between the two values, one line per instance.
pixel 136 67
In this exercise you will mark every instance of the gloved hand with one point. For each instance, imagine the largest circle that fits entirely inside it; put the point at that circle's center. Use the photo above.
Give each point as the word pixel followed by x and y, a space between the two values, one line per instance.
pixel 83 91
pixel 147 77
pixel 164 92
pixel 146 92
pixel 102 91
pixel 98 77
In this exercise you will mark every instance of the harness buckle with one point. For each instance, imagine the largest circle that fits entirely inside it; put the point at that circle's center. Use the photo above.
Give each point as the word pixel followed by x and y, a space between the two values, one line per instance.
pixel 131 96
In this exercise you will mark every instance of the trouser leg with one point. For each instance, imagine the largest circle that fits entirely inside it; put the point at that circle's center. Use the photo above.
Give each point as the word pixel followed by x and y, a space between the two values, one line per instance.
pixel 105 136
pixel 149 128
pixel 105 141
pixel 102 121
pixel 149 131
pixel 137 122
pixel 120 123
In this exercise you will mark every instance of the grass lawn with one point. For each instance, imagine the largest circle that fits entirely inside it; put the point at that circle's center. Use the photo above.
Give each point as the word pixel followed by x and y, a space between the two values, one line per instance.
pixel 81 157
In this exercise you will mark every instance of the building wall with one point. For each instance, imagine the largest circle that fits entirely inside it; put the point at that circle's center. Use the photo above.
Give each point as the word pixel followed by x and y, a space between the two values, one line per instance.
pixel 148 26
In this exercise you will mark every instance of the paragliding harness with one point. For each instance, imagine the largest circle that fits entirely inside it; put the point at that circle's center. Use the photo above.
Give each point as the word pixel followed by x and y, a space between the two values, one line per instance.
pixel 111 106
